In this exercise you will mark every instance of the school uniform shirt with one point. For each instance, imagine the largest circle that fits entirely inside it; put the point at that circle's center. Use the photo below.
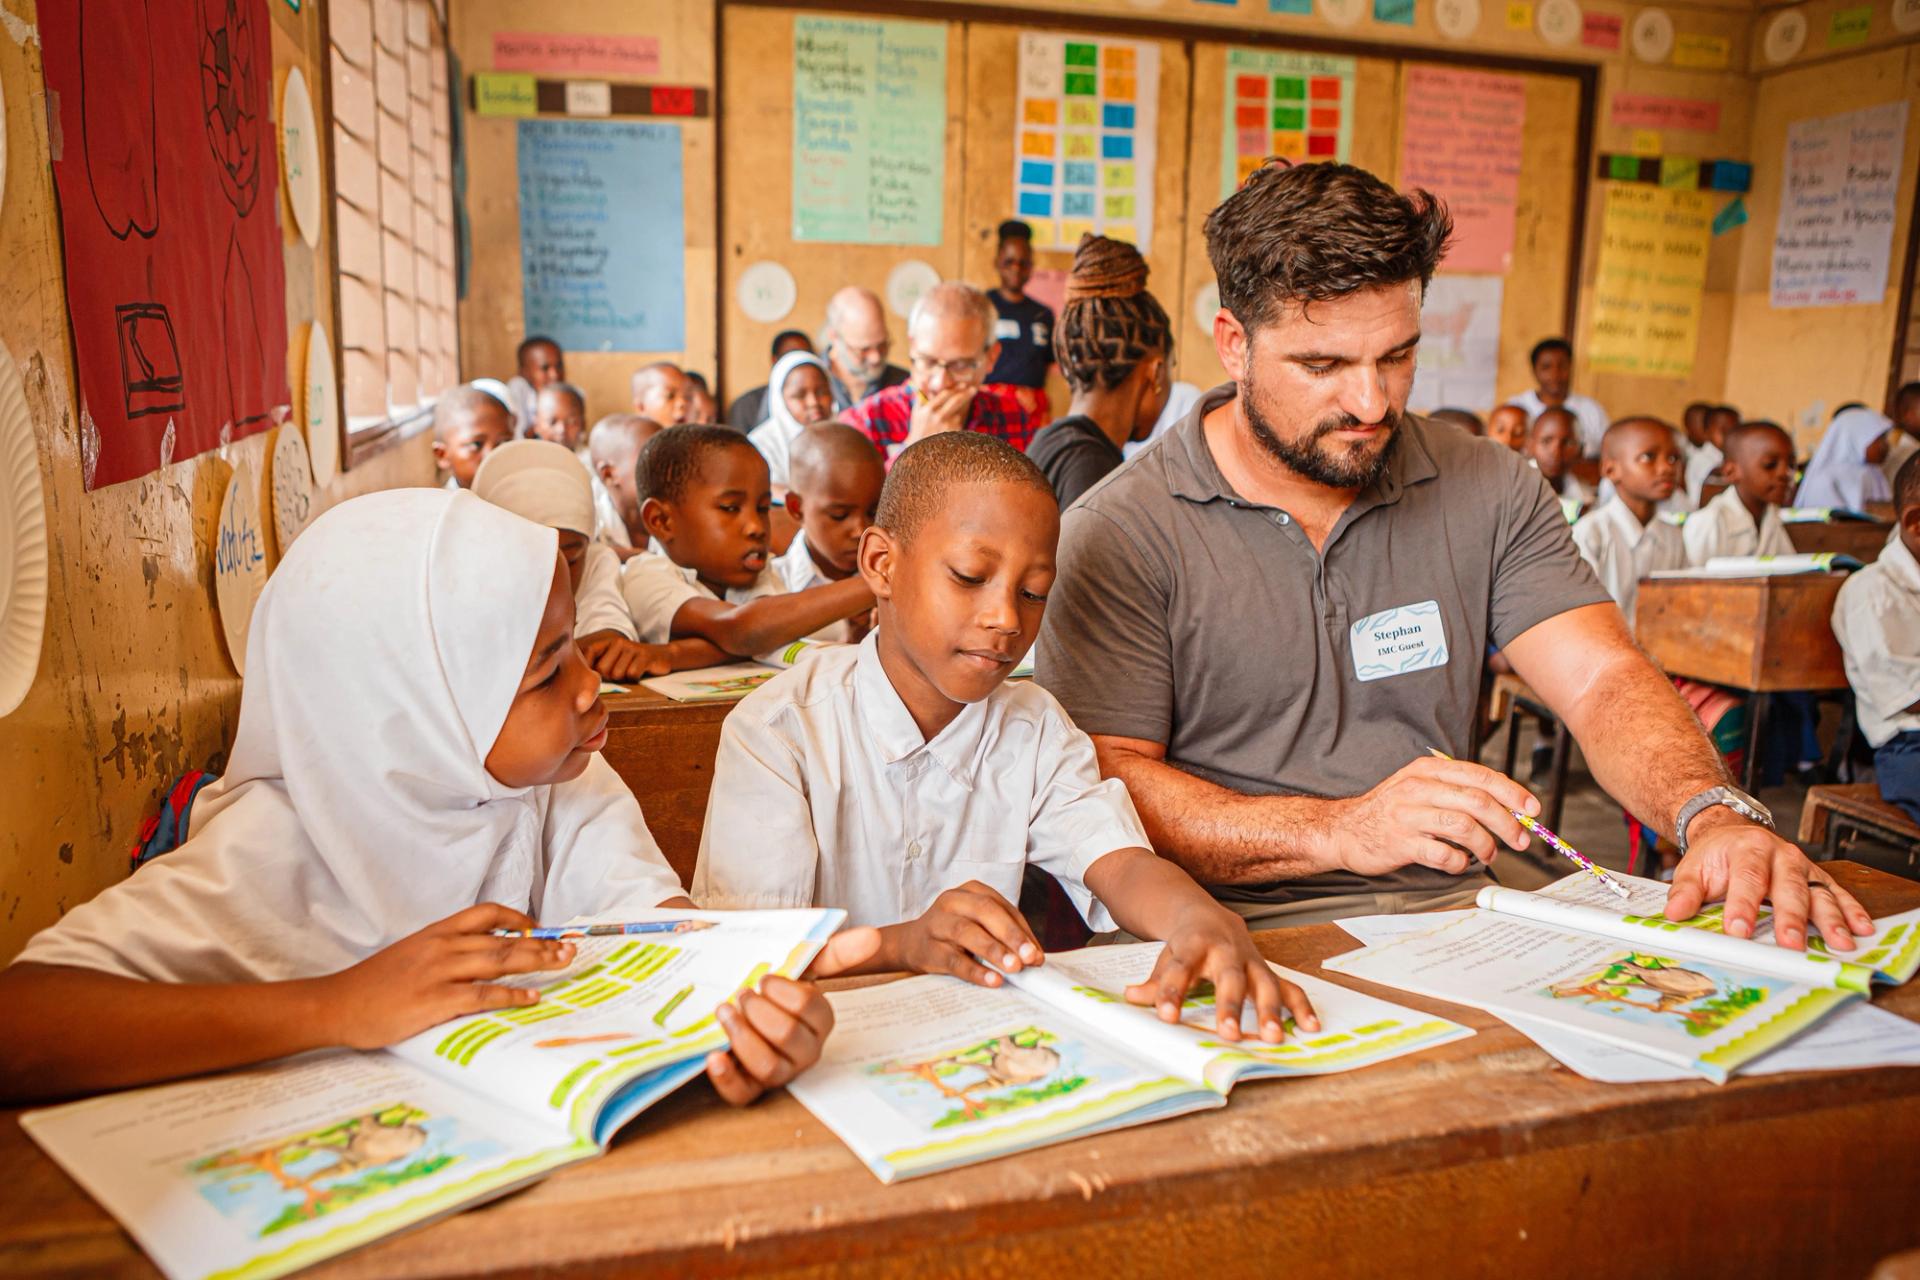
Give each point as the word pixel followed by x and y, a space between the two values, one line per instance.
pixel 356 807
pixel 1900 447
pixel 826 794
pixel 1588 416
pixel 798 572
pixel 597 603
pixel 608 527
pixel 1074 454
pixel 1573 493
pixel 1701 464
pixel 1877 621
pixel 654 588
pixel 1622 550
pixel 887 416
pixel 1724 527
pixel 1024 331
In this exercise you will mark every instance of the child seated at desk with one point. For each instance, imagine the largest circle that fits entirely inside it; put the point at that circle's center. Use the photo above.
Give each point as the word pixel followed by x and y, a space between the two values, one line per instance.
pixel 468 424
pixel 1553 445
pixel 540 364
pixel 613 450
pixel 416 765
pixel 1745 519
pixel 1877 621
pixel 704 498
pixel 1507 424
pixel 560 415
pixel 833 489
pixel 906 781
pixel 1709 457
pixel 541 481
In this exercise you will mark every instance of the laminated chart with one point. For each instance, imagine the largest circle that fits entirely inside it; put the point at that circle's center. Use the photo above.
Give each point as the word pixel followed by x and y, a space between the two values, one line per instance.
pixel 1298 106
pixel 1084 138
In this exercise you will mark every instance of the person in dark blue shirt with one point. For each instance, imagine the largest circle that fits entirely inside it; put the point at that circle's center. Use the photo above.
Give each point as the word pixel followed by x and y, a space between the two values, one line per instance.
pixel 1024 329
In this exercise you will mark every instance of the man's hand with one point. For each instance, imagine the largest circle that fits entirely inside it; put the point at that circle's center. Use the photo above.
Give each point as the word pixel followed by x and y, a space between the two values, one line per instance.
pixel 1211 943
pixel 1432 812
pixel 942 411
pixel 1743 862
pixel 965 922
pixel 619 659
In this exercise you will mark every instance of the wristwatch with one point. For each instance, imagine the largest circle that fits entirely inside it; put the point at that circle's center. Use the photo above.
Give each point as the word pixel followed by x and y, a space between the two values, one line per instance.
pixel 1738 801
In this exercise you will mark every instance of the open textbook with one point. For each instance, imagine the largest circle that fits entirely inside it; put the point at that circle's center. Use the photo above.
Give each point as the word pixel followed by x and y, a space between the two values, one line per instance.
pixel 1763 566
pixel 734 680
pixel 1683 993
pixel 932 1072
pixel 264 1171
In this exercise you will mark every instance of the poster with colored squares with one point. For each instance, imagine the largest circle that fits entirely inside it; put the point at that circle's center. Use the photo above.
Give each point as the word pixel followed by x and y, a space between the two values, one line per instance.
pixel 1295 105
pixel 1085 133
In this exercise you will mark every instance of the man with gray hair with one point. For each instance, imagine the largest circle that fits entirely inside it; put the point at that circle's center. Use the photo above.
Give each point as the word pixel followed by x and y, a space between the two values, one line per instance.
pixel 950 346
pixel 855 343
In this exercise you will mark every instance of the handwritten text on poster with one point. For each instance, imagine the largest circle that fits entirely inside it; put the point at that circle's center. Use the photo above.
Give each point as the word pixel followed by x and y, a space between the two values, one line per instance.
pixel 1461 140
pixel 1652 272
pixel 1835 233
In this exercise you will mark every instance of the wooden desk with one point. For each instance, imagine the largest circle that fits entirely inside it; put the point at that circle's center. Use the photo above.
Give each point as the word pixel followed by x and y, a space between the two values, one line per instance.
pixel 1758 635
pixel 1864 540
pixel 1480 1157
pixel 664 751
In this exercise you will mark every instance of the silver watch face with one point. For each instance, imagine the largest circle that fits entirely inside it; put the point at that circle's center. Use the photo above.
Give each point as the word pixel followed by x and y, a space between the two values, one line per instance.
pixel 1746 806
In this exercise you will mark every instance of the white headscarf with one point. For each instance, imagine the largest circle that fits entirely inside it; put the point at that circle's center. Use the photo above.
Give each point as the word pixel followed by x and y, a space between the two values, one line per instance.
pixel 540 481
pixel 356 807
pixel 1840 475
pixel 776 433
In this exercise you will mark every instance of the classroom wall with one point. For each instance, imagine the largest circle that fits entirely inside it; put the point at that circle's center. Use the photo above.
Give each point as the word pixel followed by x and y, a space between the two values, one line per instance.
pixel 491 323
pixel 134 684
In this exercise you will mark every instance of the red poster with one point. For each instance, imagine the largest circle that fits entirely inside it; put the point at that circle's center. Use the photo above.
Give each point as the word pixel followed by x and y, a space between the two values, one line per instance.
pixel 1600 30
pixel 165 164
pixel 1645 111
pixel 1460 139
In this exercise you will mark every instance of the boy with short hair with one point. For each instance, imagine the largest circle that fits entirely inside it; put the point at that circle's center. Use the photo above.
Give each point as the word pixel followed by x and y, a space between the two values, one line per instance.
pixel 1708 458
pixel 560 415
pixel 704 498
pixel 542 364
pixel 661 392
pixel 1553 445
pixel 1745 519
pixel 701 406
pixel 907 782
pixel 834 475
pixel 1877 621
pixel 1624 539
pixel 1508 425
pixel 468 425
pixel 613 449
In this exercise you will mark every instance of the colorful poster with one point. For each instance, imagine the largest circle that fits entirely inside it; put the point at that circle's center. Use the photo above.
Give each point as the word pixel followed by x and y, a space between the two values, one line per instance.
pixel 602 245
pixel 1834 238
pixel 1459 344
pixel 1649 111
pixel 1652 273
pixel 1085 131
pixel 1295 105
pixel 869 130
pixel 166 163
pixel 1460 139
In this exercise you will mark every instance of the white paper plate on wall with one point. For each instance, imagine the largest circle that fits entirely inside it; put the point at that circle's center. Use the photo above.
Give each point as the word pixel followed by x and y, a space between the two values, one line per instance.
pixel 239 562
pixel 300 156
pixel 23 541
pixel 320 408
pixel 906 282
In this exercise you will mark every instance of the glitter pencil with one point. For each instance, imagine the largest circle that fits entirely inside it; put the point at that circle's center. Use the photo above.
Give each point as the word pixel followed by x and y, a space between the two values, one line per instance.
pixel 1561 846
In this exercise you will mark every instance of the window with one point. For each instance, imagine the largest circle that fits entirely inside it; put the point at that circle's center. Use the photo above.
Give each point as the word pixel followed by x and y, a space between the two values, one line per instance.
pixel 393 211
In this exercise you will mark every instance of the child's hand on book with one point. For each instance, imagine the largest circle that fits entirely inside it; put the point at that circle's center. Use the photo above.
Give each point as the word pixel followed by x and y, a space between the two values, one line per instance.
pixel 444 971
pixel 619 659
pixel 1211 944
pixel 964 923
pixel 773 1034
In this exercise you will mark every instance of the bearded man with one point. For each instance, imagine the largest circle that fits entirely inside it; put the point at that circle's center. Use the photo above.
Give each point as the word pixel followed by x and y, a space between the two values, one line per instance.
pixel 1268 618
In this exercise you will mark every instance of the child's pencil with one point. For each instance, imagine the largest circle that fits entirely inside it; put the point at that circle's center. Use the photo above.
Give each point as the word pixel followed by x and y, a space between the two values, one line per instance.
pixel 1555 842
pixel 593 930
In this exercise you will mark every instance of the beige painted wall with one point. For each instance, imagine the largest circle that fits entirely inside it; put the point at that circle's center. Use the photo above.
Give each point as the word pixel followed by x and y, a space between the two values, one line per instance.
pixel 134 684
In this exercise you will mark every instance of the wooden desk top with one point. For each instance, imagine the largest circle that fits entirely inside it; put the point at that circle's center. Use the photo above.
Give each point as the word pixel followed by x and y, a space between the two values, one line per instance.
pixel 1479 1157
pixel 1864 540
pixel 1761 634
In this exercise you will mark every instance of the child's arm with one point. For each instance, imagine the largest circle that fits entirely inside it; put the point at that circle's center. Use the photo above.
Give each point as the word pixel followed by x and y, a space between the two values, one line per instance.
pixel 1152 898
pixel 764 624
pixel 66 1030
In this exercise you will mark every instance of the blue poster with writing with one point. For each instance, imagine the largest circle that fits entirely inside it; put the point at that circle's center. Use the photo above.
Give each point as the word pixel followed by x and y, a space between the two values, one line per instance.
pixel 602 239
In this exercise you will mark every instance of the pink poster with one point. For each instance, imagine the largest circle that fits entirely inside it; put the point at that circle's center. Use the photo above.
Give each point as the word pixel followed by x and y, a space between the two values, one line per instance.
pixel 1646 111
pixel 565 53
pixel 1460 139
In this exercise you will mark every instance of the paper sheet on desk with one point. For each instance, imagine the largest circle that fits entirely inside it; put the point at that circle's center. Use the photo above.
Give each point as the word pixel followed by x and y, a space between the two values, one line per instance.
pixel 1854 1037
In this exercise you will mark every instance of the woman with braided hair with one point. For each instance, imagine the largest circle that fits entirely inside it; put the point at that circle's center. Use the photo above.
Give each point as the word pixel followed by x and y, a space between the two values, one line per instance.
pixel 1113 342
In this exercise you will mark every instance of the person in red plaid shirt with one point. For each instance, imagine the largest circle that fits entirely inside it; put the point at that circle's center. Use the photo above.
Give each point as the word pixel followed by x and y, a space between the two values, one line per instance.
pixel 951 347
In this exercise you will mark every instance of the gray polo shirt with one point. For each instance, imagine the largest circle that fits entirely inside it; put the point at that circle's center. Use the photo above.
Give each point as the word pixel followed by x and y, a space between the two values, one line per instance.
pixel 1186 615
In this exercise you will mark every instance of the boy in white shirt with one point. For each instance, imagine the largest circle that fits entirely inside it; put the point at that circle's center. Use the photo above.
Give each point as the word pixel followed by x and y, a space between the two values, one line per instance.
pixel 1625 539
pixel 1877 621
pixel 541 363
pixel 468 425
pixel 1745 519
pixel 560 415
pixel 704 502
pixel 1709 453
pixel 613 450
pixel 1553 446
pixel 541 481
pixel 906 781
pixel 834 474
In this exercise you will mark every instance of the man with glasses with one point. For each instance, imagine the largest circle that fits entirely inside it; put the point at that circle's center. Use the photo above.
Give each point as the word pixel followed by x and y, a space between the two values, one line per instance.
pixel 856 344
pixel 951 347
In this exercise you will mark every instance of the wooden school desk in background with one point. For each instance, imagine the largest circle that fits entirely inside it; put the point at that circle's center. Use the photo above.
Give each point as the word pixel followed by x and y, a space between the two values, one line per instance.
pixel 664 750
pixel 1760 636
pixel 1861 539
pixel 1480 1157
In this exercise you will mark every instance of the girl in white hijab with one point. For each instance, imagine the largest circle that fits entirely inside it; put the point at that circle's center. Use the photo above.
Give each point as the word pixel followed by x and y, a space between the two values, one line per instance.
pixel 794 399
pixel 405 779
pixel 1845 470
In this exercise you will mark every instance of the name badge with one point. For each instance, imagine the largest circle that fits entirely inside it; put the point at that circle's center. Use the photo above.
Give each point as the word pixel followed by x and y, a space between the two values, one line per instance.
pixel 1393 642
pixel 1040 335
pixel 1005 329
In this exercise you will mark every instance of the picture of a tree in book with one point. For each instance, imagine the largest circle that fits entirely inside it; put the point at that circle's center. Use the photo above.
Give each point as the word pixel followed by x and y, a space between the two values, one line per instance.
pixel 990 1077
pixel 1656 985
pixel 307 1176
pixel 736 684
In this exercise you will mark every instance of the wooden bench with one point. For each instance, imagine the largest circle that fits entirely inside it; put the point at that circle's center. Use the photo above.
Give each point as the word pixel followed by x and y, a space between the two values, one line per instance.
pixel 1852 821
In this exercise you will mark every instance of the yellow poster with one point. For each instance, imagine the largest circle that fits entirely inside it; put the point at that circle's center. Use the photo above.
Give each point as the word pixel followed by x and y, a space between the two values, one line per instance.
pixel 1652 272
